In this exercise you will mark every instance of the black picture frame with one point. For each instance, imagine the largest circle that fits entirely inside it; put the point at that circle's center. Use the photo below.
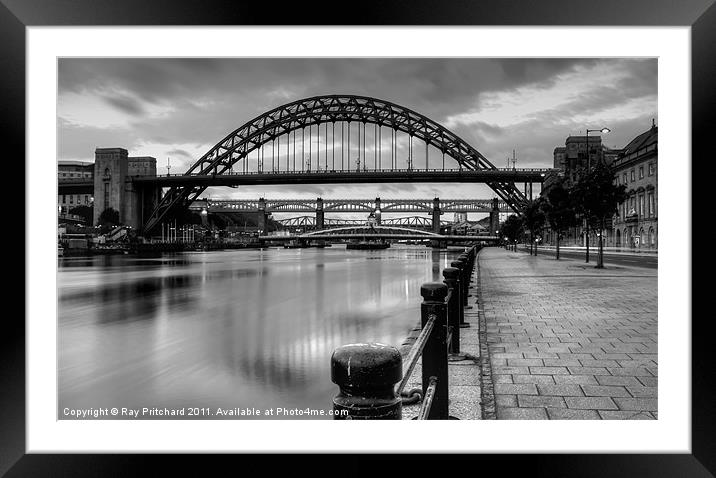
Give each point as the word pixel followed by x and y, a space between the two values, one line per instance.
pixel 700 15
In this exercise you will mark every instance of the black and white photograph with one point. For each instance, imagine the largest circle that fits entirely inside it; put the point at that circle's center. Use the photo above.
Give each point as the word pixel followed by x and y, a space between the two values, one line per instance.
pixel 429 238
pixel 249 226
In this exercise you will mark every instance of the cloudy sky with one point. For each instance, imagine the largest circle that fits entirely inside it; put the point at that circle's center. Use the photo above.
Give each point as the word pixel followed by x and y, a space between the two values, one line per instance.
pixel 180 108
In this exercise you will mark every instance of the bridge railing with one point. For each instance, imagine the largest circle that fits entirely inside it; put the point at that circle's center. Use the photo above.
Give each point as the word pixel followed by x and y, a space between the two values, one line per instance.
pixel 368 170
pixel 367 373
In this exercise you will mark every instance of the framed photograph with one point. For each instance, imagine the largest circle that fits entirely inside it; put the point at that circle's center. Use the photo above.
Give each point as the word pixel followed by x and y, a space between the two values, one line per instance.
pixel 273 224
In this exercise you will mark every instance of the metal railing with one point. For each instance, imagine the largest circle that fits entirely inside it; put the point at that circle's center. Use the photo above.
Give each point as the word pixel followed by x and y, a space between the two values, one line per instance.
pixel 367 373
pixel 370 170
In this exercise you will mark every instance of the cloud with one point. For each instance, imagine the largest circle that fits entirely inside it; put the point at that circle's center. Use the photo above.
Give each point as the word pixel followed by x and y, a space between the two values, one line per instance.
pixel 180 152
pixel 181 107
pixel 124 103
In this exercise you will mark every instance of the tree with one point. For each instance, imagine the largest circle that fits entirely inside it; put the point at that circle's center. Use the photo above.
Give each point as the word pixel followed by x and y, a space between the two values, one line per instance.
pixel 108 218
pixel 597 196
pixel 512 228
pixel 559 210
pixel 534 219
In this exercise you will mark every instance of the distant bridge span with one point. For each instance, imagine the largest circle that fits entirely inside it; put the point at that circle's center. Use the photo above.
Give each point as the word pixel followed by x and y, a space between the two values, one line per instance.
pixel 378 232
pixel 349 205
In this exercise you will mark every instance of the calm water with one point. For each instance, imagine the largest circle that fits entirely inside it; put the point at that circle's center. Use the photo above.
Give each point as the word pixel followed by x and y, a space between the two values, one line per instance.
pixel 232 329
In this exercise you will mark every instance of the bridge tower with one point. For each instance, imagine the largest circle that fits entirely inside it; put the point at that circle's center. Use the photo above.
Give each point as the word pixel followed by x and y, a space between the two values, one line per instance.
pixel 436 215
pixel 494 217
pixel 262 222
pixel 113 169
pixel 319 213
pixel 377 211
pixel 110 174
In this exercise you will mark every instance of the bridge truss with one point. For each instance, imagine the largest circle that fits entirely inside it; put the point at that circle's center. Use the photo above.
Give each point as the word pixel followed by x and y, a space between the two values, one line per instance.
pixel 348 205
pixel 309 222
pixel 278 124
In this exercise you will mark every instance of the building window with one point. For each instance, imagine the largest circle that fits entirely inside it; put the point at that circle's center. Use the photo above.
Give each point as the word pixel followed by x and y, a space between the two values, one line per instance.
pixel 625 178
pixel 106 195
pixel 632 176
pixel 651 169
pixel 64 199
pixel 652 212
pixel 72 199
pixel 86 199
pixel 641 172
pixel 641 205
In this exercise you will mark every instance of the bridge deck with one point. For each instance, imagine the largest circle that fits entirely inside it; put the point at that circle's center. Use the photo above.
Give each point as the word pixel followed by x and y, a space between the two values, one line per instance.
pixel 416 236
pixel 344 177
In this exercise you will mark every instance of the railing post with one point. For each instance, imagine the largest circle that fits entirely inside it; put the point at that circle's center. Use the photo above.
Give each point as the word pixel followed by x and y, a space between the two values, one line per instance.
pixel 465 276
pixel 460 289
pixel 453 307
pixel 366 375
pixel 435 353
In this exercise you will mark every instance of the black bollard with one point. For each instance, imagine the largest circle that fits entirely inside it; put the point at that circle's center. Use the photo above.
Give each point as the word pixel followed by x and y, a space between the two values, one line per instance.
pixel 366 375
pixel 458 265
pixel 435 353
pixel 464 279
pixel 453 307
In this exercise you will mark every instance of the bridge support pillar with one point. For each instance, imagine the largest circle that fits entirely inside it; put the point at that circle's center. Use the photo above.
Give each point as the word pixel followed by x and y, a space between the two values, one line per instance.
pixel 319 213
pixel 494 217
pixel 377 211
pixel 436 215
pixel 262 223
pixel 110 175
pixel 142 201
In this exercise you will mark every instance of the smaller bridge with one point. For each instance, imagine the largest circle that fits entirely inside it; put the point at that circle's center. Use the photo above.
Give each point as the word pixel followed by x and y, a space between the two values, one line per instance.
pixel 434 207
pixel 367 232
pixel 309 222
pixel 349 205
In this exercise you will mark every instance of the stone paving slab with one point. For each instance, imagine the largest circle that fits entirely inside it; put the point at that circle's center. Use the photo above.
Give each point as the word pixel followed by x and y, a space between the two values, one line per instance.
pixel 567 341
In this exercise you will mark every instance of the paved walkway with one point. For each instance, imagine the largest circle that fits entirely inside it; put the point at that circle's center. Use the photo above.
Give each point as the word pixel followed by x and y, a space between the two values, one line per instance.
pixel 566 340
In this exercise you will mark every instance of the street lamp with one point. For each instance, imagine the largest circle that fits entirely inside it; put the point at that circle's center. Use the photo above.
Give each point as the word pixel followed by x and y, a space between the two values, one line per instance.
pixel 604 130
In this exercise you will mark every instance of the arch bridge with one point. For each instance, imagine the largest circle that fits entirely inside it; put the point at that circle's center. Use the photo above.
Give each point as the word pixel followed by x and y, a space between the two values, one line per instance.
pixel 368 232
pixel 377 154
pixel 309 222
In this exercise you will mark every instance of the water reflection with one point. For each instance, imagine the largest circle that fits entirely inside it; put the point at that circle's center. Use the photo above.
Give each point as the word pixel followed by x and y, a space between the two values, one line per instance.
pixel 246 328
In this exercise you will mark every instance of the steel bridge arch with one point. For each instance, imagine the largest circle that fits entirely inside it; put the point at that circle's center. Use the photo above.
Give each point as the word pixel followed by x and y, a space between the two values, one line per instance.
pixel 329 109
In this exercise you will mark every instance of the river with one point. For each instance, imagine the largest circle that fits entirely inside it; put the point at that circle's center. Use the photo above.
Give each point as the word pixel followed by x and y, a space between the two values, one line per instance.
pixel 242 331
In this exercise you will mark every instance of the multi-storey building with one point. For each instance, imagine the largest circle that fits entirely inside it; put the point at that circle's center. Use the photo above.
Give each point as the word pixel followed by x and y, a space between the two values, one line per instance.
pixel 578 154
pixel 635 224
pixel 76 171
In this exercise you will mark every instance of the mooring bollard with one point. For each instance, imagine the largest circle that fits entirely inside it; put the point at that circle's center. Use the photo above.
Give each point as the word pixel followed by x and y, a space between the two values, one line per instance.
pixel 435 353
pixel 366 375
pixel 451 275
pixel 464 279
pixel 461 291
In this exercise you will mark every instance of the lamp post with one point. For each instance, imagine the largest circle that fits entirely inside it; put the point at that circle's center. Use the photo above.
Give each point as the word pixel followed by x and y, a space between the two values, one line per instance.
pixel 604 130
